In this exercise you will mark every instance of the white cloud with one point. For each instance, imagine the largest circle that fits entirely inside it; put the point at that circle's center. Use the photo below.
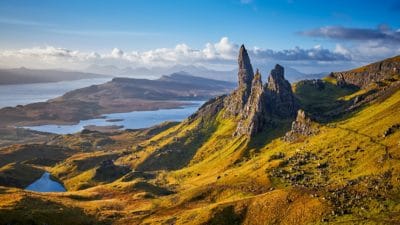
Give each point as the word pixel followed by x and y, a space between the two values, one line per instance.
pixel 47 57
pixel 213 55
pixel 117 53
pixel 341 50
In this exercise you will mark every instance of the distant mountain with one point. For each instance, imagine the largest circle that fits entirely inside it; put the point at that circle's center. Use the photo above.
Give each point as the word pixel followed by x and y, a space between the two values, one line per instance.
pixel 177 86
pixel 25 76
pixel 156 72
pixel 292 74
pixel 118 95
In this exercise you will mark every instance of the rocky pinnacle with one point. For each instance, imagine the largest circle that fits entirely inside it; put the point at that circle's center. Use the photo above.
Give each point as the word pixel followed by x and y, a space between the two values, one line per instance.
pixel 245 73
pixel 281 101
pixel 255 105
pixel 238 99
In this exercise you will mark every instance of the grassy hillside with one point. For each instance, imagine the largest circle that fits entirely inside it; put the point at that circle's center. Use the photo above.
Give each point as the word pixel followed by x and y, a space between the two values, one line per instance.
pixel 199 172
pixel 347 173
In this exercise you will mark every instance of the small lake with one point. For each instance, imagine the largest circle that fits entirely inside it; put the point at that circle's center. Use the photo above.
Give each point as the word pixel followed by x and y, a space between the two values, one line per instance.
pixel 22 94
pixel 46 184
pixel 129 120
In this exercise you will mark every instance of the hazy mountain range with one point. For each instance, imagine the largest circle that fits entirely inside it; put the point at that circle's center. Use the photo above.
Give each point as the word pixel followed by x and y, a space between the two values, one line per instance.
pixel 200 71
pixel 26 76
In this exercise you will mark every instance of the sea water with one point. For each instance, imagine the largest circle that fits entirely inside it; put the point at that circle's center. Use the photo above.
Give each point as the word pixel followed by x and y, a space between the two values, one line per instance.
pixel 129 120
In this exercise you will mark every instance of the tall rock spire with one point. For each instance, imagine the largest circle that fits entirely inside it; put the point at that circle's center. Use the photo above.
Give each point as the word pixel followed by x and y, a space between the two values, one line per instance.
pixel 245 73
pixel 255 105
pixel 238 99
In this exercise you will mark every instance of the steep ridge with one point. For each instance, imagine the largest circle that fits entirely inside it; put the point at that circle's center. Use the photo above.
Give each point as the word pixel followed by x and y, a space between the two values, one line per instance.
pixel 342 93
pixel 375 72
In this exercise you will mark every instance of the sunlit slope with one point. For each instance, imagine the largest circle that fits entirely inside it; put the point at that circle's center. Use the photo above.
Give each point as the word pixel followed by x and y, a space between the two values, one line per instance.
pixel 347 173
pixel 349 169
pixel 199 171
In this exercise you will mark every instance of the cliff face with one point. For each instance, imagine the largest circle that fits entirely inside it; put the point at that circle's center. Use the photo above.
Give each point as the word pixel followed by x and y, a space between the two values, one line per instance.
pixel 281 101
pixel 254 115
pixel 238 99
pixel 255 104
pixel 365 75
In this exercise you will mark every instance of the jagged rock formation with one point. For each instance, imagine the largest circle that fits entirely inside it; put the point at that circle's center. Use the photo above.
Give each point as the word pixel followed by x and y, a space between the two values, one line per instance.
pixel 365 75
pixel 238 99
pixel 253 117
pixel 281 101
pixel 252 104
pixel 302 126
pixel 273 100
pixel 256 104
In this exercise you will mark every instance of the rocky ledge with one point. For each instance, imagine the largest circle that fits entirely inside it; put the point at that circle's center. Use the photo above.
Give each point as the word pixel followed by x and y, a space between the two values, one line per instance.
pixel 375 72
pixel 301 127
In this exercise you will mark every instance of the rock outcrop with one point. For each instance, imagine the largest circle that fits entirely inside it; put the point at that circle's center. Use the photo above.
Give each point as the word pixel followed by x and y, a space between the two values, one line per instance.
pixel 301 127
pixel 254 117
pixel 255 105
pixel 280 99
pixel 238 99
pixel 375 72
pixel 108 171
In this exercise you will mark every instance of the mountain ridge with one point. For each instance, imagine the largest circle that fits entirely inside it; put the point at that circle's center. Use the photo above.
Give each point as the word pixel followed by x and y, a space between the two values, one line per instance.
pixel 27 76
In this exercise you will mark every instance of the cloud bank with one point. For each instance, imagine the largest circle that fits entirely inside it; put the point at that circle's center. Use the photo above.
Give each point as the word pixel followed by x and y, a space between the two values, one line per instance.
pixel 382 33
pixel 223 52
pixel 362 45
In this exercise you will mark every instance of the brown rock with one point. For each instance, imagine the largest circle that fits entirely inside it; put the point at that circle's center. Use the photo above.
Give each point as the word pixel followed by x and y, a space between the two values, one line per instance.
pixel 301 127
pixel 375 72
pixel 254 117
pixel 238 99
pixel 280 99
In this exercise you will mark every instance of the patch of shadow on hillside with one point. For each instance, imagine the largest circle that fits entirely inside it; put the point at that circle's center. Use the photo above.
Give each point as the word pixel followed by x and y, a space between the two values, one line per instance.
pixel 35 211
pixel 323 100
pixel 179 152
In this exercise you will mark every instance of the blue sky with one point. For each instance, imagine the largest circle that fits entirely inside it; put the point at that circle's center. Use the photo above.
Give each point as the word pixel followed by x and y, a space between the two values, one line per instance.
pixel 100 27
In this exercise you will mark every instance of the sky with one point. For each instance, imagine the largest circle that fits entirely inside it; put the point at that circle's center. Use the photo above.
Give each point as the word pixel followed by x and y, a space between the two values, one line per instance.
pixel 309 35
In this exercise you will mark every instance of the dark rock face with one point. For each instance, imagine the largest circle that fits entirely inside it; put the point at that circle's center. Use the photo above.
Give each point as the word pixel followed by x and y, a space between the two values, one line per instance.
pixel 391 130
pixel 108 171
pixel 245 73
pixel 273 100
pixel 238 99
pixel 253 118
pixel 281 101
pixel 302 126
pixel 253 104
pixel 366 75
